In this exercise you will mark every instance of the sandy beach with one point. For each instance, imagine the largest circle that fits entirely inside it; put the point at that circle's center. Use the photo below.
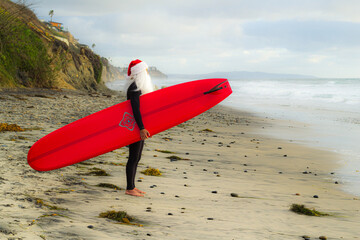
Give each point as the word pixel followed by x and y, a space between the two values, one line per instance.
pixel 232 182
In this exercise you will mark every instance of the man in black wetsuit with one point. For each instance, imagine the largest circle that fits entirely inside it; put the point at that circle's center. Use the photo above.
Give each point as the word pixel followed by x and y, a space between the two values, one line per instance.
pixel 138 83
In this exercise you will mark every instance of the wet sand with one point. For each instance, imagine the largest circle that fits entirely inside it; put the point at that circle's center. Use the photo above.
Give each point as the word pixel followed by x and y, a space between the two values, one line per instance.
pixel 232 182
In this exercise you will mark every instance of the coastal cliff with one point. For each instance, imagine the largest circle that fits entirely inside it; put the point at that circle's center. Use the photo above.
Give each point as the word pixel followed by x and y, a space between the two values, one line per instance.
pixel 111 73
pixel 34 54
pixel 153 71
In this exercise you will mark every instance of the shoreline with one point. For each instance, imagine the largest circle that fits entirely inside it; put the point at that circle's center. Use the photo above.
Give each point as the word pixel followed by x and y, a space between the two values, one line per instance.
pixel 306 134
pixel 234 158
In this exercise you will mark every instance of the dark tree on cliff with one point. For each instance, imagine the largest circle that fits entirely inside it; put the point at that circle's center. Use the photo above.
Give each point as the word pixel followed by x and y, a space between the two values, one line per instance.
pixel 51 13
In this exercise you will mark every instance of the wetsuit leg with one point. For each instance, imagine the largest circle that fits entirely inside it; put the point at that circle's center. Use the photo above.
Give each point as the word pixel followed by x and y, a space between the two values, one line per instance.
pixel 135 151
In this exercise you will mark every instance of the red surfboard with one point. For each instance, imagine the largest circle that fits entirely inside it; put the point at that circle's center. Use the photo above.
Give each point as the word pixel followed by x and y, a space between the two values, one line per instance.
pixel 115 127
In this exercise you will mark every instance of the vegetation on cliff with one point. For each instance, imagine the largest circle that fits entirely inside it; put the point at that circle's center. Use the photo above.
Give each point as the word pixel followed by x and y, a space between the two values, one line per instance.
pixel 23 56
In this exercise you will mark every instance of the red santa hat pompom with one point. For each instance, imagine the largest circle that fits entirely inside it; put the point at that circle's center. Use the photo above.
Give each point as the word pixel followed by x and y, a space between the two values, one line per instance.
pixel 136 66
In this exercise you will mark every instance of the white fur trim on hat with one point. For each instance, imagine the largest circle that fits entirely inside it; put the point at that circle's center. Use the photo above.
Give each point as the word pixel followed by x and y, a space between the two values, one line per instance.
pixel 138 68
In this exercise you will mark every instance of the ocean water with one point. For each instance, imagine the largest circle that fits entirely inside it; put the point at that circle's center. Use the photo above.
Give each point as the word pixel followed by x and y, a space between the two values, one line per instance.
pixel 329 108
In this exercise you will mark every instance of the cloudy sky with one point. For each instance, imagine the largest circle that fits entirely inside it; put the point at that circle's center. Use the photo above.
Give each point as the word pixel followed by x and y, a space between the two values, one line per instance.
pixel 312 37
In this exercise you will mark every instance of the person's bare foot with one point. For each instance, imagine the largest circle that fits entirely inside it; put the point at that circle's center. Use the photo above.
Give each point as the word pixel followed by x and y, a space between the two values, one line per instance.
pixel 139 191
pixel 133 193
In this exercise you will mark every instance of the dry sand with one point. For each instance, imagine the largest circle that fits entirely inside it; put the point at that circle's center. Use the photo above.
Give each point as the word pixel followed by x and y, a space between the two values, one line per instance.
pixel 191 200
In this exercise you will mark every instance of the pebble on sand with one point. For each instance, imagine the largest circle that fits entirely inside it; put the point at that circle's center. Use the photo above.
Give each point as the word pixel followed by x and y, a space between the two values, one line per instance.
pixel 234 195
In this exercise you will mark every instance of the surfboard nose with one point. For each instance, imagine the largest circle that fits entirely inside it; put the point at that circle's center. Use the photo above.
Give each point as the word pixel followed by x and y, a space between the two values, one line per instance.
pixel 222 85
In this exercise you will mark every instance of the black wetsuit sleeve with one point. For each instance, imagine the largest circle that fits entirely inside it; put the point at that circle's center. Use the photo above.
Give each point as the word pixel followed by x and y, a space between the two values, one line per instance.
pixel 134 97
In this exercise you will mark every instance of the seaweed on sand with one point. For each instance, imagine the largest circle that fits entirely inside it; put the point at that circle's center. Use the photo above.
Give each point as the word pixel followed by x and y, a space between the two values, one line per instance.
pixel 152 172
pixel 10 127
pixel 301 209
pixel 207 130
pixel 98 172
pixel 40 203
pixel 176 158
pixel 119 216
pixel 163 151
pixel 109 185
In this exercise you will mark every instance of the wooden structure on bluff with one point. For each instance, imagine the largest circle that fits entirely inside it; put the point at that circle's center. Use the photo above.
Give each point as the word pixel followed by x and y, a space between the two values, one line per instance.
pixel 57 25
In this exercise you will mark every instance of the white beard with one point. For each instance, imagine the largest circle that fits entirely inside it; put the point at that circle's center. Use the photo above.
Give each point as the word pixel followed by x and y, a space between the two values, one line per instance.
pixel 142 81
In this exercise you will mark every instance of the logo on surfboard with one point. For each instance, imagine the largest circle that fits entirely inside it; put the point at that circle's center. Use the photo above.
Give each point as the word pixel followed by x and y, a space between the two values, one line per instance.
pixel 128 121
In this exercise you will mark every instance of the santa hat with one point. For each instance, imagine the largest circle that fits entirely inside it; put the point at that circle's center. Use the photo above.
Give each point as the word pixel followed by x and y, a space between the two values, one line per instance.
pixel 136 66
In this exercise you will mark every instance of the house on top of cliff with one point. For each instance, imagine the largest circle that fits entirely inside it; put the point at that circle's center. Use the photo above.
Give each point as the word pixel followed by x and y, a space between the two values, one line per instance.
pixel 57 25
